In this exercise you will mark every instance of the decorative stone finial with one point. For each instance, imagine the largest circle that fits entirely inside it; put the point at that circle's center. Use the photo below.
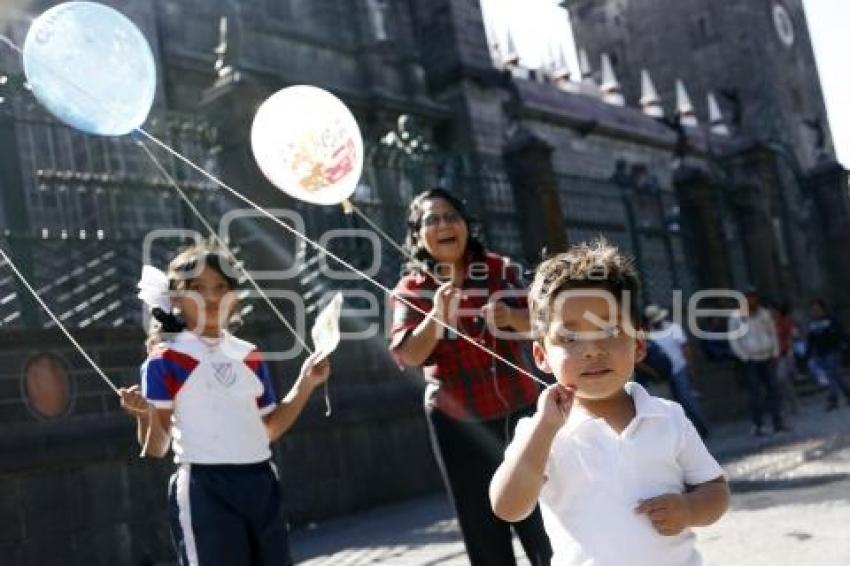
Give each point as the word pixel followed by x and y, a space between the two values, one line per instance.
pixel 684 108
pixel 715 117
pixel 610 87
pixel 649 101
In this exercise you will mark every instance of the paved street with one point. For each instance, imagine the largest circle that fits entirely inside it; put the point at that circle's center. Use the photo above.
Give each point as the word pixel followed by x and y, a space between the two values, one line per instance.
pixel 791 505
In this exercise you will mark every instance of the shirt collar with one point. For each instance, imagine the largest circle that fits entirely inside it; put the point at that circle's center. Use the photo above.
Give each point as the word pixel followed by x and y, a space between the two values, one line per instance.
pixel 231 346
pixel 578 417
pixel 646 406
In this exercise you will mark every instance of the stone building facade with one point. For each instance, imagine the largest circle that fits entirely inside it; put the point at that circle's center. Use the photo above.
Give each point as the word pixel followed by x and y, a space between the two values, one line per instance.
pixel 542 161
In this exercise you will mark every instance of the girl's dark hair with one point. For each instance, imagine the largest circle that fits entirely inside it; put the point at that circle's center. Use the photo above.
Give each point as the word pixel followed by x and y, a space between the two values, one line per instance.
pixel 414 247
pixel 182 269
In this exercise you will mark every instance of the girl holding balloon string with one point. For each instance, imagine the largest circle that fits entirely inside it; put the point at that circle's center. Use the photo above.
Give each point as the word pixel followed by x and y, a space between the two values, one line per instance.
pixel 210 397
pixel 204 392
pixel 473 401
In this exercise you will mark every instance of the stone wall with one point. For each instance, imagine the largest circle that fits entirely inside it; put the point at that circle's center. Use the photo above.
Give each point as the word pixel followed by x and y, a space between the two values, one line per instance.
pixel 74 491
pixel 714 45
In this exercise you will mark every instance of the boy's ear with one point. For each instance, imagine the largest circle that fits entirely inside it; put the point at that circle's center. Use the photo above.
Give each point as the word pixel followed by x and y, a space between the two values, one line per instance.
pixel 640 346
pixel 539 354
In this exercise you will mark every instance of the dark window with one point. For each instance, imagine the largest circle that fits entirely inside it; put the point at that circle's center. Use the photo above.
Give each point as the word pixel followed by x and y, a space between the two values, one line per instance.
pixel 796 99
pixel 703 31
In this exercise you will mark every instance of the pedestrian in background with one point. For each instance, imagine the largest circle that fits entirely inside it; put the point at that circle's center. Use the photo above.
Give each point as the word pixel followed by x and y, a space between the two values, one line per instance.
pixel 826 341
pixel 670 336
pixel 754 342
pixel 786 365
pixel 655 367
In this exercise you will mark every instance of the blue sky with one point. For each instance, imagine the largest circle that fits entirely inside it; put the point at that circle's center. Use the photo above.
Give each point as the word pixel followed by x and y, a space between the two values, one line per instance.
pixel 536 25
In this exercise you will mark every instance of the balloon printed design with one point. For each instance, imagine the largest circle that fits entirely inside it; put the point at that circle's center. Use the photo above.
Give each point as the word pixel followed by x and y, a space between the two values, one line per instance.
pixel 308 144
pixel 91 67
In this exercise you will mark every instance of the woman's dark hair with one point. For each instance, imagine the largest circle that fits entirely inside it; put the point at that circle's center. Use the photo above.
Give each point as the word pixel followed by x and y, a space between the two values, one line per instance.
pixel 182 269
pixel 414 247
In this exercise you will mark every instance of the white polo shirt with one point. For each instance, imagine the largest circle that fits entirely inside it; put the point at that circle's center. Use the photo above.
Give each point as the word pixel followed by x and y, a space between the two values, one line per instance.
pixel 218 394
pixel 596 478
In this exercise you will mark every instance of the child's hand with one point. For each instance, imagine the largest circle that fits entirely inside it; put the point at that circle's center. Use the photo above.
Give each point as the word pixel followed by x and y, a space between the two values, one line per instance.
pixel 554 405
pixel 669 513
pixel 133 402
pixel 315 370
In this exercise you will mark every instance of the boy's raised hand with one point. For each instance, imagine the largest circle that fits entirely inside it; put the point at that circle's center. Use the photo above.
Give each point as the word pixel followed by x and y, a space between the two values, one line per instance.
pixel 554 404
pixel 668 513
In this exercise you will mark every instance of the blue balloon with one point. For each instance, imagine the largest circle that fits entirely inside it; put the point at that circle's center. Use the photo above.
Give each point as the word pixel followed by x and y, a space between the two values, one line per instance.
pixel 91 67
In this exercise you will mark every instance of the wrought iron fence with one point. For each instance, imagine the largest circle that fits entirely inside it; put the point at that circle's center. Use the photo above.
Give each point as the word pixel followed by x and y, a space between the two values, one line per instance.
pixel 639 218
pixel 91 201
pixel 86 205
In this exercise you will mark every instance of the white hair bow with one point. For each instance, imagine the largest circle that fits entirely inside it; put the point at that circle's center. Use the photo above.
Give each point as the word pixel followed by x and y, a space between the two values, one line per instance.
pixel 153 288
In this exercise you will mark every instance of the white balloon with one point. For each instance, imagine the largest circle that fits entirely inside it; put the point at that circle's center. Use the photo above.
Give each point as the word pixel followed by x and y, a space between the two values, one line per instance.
pixel 91 67
pixel 308 144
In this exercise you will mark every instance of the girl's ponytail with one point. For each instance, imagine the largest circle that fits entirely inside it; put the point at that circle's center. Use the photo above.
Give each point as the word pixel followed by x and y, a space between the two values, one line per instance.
pixel 162 325
pixel 169 322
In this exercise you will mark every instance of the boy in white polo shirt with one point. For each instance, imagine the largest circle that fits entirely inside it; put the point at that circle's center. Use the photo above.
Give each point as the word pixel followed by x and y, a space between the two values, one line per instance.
pixel 621 476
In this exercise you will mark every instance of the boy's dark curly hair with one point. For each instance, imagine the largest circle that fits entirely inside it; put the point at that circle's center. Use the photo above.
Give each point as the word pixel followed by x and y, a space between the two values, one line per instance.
pixel 594 265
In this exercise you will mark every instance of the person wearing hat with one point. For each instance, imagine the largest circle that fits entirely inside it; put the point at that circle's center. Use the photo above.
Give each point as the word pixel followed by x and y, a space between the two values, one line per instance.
pixel 754 342
pixel 671 338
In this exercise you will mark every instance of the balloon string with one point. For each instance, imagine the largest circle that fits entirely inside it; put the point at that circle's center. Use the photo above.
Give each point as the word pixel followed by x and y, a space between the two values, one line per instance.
pixel 152 414
pixel 218 240
pixel 61 326
pixel 11 44
pixel 420 264
pixel 330 254
pixel 86 94
pixel 233 257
